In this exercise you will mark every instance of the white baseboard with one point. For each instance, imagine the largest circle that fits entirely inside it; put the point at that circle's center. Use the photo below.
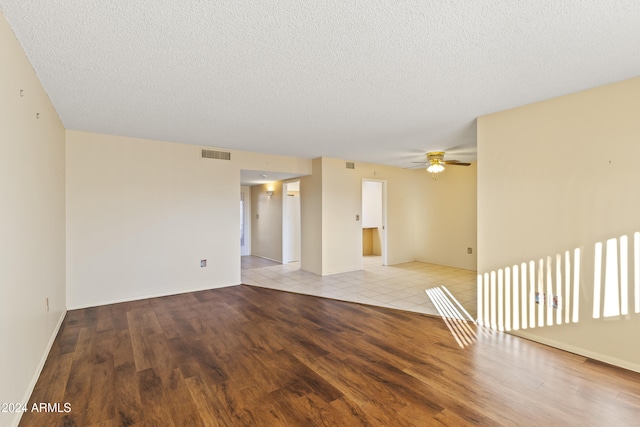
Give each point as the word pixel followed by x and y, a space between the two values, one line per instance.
pixel 141 297
pixel 279 261
pixel 43 360
pixel 580 351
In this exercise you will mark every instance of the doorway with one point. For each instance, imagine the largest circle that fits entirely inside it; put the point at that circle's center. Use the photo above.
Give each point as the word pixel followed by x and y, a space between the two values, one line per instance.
pixel 374 221
pixel 291 222
pixel 245 220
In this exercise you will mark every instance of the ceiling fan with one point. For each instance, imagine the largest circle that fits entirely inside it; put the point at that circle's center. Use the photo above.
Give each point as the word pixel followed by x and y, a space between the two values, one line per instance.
pixel 435 162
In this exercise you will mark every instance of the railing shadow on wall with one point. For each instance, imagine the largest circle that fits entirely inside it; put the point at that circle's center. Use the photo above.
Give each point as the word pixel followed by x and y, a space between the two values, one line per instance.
pixel 546 292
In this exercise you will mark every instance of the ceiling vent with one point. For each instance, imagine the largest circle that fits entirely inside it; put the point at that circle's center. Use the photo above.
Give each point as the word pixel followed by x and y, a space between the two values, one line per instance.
pixel 220 155
pixel 351 165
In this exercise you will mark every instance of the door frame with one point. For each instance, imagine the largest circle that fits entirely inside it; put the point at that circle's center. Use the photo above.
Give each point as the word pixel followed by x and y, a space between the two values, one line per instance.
pixel 384 231
pixel 285 201
pixel 245 192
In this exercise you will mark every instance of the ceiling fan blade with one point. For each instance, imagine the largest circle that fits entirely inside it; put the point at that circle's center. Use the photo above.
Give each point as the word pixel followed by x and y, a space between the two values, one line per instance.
pixel 456 163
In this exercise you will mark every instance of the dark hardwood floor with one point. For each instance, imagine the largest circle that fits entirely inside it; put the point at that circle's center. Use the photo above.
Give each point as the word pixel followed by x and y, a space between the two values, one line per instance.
pixel 250 356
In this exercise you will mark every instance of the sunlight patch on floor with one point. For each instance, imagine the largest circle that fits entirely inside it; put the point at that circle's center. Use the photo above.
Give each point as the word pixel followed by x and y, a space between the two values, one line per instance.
pixel 458 320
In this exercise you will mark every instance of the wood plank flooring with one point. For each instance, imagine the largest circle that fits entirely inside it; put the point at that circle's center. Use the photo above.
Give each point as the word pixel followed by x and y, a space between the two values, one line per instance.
pixel 248 356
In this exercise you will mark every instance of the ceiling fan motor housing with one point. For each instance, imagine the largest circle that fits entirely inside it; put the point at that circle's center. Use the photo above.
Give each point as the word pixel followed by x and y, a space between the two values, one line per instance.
pixel 435 157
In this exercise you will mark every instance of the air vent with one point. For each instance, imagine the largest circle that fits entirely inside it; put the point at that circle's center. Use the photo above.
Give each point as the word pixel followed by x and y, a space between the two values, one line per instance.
pixel 351 165
pixel 220 155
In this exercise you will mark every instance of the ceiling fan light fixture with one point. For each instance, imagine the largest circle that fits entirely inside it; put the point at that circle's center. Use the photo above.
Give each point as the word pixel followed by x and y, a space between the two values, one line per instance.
pixel 435 167
pixel 435 159
pixel 435 163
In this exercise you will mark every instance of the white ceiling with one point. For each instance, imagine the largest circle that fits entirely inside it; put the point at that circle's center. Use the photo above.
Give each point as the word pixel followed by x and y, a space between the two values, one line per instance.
pixel 369 80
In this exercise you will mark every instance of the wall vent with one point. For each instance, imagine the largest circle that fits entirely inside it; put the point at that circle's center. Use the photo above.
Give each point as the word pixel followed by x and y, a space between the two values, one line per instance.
pixel 351 165
pixel 220 155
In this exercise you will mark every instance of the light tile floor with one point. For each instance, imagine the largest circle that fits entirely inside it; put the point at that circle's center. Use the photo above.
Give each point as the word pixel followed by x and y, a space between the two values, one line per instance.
pixel 399 286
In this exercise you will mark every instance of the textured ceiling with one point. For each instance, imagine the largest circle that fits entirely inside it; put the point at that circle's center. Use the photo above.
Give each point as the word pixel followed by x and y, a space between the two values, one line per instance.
pixel 374 81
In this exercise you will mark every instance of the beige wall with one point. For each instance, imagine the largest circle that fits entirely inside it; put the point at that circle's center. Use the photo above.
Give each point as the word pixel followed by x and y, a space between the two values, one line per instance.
pixel 412 219
pixel 447 220
pixel 32 224
pixel 341 202
pixel 311 207
pixel 558 175
pixel 266 221
pixel 142 214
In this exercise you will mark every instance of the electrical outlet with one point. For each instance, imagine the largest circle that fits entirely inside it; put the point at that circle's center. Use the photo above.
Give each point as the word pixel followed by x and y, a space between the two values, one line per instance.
pixel 469 250
pixel 357 217
pixel 46 305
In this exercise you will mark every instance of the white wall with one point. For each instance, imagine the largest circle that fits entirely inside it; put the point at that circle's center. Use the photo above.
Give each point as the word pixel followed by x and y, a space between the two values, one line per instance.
pixel 447 224
pixel 32 224
pixel 245 247
pixel 371 204
pixel 558 175
pixel 141 215
pixel 291 227
pixel 372 218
